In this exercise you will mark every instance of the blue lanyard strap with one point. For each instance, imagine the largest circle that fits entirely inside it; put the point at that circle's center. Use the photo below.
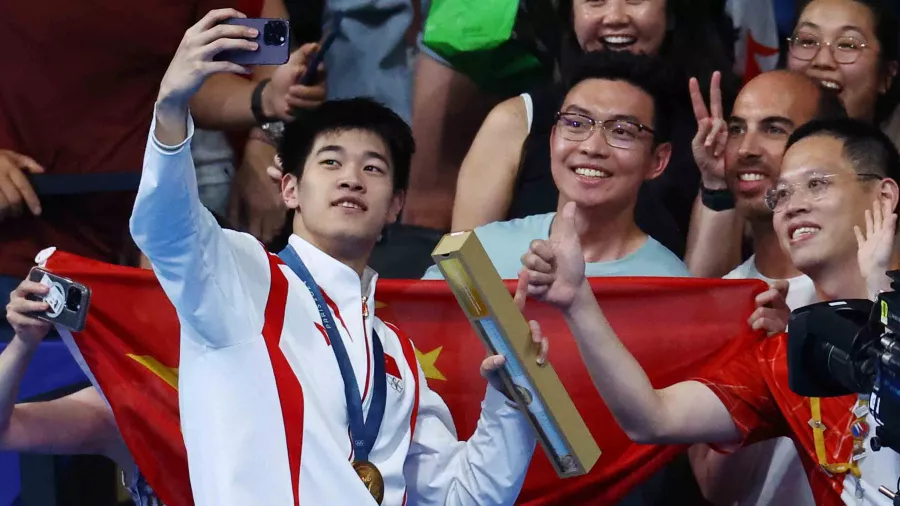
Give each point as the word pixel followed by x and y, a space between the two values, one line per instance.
pixel 362 433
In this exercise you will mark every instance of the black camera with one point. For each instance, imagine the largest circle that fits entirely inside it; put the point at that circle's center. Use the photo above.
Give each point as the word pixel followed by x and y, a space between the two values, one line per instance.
pixel 275 33
pixel 847 347
pixel 73 299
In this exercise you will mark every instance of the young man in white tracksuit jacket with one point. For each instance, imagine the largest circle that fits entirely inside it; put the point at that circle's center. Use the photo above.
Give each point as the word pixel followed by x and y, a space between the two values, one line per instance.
pixel 267 401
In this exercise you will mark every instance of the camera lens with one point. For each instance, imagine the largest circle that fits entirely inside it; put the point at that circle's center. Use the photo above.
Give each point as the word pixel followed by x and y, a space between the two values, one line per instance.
pixel 275 33
pixel 73 299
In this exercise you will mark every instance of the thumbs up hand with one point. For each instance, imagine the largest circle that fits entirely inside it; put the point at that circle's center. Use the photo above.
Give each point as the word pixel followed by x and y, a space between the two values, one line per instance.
pixel 554 269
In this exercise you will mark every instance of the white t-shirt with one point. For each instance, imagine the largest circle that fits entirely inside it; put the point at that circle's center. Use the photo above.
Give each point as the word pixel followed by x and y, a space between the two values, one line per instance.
pixel 802 291
pixel 773 467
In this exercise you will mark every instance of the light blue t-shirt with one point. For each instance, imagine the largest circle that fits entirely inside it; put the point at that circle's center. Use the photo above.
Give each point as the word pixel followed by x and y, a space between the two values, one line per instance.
pixel 506 241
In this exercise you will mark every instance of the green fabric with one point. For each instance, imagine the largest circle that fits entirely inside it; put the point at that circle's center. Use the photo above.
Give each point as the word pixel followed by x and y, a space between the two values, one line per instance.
pixel 478 38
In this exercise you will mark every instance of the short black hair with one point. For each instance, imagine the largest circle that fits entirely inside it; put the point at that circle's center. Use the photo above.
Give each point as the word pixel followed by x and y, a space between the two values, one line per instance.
pixel 639 70
pixel 361 113
pixel 699 40
pixel 867 148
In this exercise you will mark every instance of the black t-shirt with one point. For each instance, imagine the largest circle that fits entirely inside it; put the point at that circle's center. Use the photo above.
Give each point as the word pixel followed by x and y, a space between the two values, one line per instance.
pixel 663 209
pixel 306 19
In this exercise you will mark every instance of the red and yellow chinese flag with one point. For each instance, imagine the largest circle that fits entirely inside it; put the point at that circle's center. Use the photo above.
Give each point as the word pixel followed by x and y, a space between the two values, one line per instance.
pixel 675 327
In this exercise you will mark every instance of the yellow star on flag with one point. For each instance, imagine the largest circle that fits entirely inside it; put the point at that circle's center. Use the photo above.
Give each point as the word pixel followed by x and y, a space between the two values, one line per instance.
pixel 167 374
pixel 428 361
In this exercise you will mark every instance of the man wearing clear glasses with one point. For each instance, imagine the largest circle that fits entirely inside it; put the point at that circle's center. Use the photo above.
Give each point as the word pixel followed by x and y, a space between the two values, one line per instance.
pixel 610 136
pixel 746 162
pixel 837 188
pixel 741 157
pixel 838 181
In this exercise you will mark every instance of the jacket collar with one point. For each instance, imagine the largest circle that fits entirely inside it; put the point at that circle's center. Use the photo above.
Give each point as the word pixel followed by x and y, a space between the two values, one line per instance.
pixel 340 282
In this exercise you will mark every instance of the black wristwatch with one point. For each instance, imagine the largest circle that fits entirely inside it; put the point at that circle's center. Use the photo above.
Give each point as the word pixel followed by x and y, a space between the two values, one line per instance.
pixel 256 104
pixel 717 200
pixel 274 131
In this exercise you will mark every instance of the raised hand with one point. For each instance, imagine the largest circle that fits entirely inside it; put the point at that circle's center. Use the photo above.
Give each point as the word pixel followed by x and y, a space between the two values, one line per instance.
pixel 193 61
pixel 772 312
pixel 16 192
pixel 28 329
pixel 282 97
pixel 712 133
pixel 876 246
pixel 555 267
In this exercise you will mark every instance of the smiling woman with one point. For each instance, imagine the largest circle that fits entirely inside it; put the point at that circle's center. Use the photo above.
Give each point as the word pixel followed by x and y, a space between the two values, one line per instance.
pixel 690 36
pixel 851 48
pixel 506 173
pixel 639 27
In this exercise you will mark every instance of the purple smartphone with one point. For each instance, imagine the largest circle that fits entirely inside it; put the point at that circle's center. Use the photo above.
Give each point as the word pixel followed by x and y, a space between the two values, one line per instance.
pixel 274 42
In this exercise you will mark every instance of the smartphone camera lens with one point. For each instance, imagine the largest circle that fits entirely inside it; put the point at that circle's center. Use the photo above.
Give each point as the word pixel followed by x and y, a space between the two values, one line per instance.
pixel 275 33
pixel 73 299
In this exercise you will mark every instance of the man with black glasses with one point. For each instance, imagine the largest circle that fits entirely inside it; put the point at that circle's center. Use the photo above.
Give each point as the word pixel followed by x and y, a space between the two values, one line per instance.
pixel 610 136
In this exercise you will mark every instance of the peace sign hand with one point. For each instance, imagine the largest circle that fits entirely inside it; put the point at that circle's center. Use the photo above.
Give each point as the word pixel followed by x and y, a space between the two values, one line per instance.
pixel 712 133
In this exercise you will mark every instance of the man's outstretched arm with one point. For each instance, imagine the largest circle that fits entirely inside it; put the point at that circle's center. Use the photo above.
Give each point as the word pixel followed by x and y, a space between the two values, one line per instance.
pixel 688 412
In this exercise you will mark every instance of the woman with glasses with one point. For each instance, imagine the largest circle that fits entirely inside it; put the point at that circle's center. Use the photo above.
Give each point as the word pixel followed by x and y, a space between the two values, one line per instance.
pixel 506 173
pixel 851 48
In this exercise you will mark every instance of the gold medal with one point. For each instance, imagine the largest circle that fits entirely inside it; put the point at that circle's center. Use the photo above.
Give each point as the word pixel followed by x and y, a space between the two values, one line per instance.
pixel 371 478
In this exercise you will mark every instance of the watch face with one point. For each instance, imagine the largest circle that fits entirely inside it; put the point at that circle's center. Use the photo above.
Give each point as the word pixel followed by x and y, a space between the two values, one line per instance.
pixel 274 130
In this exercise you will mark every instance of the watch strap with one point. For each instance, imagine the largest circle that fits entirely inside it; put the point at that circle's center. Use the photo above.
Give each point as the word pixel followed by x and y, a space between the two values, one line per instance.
pixel 717 200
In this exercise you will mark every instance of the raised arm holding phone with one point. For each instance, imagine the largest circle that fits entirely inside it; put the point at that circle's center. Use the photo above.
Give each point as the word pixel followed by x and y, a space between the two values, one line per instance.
pixel 229 102
pixel 284 363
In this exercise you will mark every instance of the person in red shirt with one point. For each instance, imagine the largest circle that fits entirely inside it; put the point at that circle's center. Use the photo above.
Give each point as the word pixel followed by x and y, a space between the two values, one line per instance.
pixel 76 102
pixel 838 179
